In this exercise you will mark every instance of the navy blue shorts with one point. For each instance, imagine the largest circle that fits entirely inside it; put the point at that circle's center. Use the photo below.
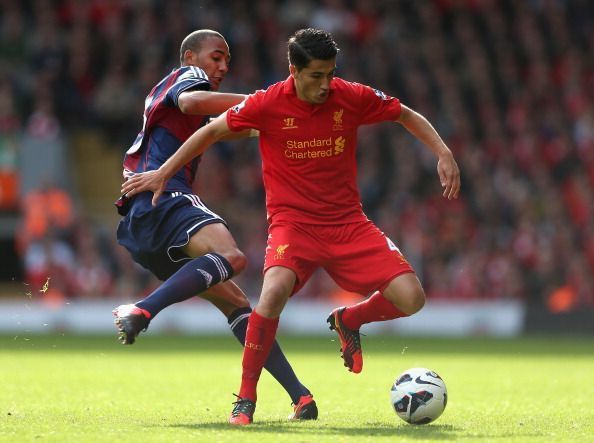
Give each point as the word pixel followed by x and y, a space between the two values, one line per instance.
pixel 155 235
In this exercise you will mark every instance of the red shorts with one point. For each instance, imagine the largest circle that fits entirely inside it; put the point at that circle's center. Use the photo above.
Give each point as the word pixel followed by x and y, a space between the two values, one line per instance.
pixel 358 256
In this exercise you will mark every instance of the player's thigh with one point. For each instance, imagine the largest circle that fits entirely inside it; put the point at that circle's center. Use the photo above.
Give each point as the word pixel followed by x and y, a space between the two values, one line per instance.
pixel 369 261
pixel 214 237
pixel 290 246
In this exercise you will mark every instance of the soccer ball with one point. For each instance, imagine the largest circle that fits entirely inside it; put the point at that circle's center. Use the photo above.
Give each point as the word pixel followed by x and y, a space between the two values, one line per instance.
pixel 419 396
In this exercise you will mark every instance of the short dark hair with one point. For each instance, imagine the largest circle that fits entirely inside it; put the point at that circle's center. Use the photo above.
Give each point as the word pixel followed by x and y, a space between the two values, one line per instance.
pixel 311 44
pixel 194 40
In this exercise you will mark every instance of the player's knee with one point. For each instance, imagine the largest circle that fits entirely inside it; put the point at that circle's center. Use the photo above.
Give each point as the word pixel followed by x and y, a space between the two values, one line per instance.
pixel 408 300
pixel 236 259
pixel 414 301
pixel 406 294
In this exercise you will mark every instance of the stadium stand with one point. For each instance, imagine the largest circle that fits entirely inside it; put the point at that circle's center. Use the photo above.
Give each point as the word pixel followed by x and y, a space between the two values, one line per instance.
pixel 510 86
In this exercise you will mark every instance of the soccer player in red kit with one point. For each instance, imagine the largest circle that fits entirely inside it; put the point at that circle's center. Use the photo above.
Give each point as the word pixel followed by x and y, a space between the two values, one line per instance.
pixel 308 138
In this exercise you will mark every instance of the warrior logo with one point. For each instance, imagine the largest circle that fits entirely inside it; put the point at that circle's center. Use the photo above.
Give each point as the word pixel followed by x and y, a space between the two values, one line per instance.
pixel 289 123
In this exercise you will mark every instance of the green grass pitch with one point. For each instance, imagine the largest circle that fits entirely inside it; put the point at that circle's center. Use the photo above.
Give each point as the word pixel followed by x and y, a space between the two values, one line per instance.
pixel 63 388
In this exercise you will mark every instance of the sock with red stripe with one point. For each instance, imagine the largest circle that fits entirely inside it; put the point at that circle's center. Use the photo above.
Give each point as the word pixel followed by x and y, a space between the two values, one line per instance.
pixel 258 343
pixel 375 308
pixel 191 279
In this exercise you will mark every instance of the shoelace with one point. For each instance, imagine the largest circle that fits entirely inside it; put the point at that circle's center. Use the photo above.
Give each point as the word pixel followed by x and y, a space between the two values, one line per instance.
pixel 242 406
pixel 353 338
pixel 353 342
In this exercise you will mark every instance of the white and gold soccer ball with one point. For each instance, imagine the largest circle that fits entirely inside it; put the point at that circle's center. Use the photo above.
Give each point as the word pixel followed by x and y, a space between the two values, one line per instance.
pixel 419 396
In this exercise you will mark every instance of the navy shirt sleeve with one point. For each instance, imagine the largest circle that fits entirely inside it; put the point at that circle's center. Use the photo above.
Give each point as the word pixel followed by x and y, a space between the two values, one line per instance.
pixel 189 78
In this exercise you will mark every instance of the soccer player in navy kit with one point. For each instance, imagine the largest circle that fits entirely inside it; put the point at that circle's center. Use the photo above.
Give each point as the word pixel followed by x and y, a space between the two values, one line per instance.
pixel 180 240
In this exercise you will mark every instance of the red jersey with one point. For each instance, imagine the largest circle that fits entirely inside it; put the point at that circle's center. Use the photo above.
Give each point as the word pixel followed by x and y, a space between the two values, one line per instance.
pixel 308 151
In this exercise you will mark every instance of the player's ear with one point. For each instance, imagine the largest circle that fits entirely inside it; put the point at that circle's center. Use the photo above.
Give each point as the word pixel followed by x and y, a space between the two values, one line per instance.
pixel 292 70
pixel 188 55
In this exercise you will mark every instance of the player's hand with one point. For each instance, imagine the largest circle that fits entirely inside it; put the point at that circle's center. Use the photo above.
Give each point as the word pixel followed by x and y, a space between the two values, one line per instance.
pixel 146 181
pixel 449 175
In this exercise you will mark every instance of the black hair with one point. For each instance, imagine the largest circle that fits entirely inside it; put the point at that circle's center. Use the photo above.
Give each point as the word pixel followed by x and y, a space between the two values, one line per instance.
pixel 311 44
pixel 194 40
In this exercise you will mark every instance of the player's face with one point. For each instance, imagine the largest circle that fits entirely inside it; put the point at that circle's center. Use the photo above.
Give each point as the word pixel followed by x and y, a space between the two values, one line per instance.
pixel 312 83
pixel 213 57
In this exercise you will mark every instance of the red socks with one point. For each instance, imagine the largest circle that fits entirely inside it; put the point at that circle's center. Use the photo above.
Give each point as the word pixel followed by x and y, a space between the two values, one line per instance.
pixel 261 332
pixel 375 308
pixel 258 342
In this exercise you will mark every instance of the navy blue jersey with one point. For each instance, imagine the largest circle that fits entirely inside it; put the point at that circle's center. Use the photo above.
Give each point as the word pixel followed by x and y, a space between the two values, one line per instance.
pixel 165 127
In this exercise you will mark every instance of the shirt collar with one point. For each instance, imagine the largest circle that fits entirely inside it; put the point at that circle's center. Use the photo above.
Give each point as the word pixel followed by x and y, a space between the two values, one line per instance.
pixel 289 86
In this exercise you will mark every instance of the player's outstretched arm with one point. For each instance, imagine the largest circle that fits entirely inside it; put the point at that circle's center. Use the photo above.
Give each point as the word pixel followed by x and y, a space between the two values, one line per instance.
pixel 239 134
pixel 447 168
pixel 207 102
pixel 155 181
pixel 213 103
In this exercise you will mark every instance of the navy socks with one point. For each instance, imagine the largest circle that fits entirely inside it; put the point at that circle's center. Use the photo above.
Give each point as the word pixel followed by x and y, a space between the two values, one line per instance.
pixel 197 276
pixel 194 277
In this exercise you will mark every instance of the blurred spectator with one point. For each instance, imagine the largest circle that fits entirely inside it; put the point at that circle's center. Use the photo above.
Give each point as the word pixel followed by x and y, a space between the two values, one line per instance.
pixel 43 152
pixel 90 274
pixel 43 240
pixel 47 212
pixel 510 85
pixel 49 263
pixel 115 104
pixel 10 126
pixel 68 256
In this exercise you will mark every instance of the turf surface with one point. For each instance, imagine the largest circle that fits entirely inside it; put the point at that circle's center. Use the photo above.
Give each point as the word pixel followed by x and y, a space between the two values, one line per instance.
pixel 163 389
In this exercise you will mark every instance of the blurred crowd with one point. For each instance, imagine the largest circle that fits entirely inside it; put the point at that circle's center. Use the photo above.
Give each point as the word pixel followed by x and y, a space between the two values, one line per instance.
pixel 508 84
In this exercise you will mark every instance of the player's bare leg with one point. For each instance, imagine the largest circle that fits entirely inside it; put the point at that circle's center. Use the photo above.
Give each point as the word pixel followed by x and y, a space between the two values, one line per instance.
pixel 216 238
pixel 226 297
pixel 406 293
pixel 277 286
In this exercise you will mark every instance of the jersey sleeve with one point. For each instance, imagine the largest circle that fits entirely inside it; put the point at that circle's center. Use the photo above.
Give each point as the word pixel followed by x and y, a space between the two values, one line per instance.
pixel 190 78
pixel 246 115
pixel 377 106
